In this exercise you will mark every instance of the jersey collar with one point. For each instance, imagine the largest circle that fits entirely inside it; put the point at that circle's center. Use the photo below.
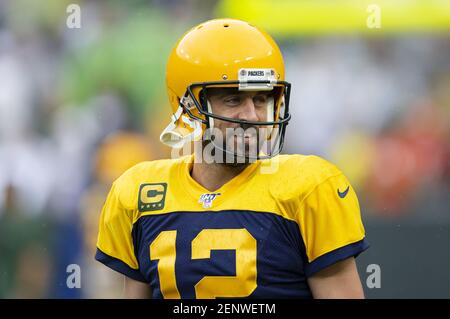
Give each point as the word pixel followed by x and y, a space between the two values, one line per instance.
pixel 195 190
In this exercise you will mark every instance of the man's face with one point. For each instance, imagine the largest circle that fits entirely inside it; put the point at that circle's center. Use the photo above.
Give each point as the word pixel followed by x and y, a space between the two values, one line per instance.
pixel 254 106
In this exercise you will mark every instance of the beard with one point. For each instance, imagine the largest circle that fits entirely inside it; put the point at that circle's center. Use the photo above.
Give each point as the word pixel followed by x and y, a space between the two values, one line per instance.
pixel 236 146
pixel 235 149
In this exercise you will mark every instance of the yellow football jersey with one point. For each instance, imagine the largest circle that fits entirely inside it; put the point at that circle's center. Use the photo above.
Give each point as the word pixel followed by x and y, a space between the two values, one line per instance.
pixel 260 235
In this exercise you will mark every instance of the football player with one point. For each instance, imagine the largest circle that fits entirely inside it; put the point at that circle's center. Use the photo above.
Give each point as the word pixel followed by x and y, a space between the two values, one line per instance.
pixel 234 219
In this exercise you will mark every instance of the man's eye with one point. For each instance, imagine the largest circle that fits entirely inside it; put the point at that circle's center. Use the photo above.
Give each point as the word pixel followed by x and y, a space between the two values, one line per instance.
pixel 259 99
pixel 232 100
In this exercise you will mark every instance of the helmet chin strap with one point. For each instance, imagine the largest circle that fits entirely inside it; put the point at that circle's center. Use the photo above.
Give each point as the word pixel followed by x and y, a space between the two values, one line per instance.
pixel 176 136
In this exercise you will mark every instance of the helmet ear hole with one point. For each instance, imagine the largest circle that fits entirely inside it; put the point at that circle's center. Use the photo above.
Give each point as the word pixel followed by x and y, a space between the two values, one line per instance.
pixel 203 100
pixel 206 106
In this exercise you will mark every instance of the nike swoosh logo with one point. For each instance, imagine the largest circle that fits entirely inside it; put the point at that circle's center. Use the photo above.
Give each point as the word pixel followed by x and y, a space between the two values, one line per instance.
pixel 344 193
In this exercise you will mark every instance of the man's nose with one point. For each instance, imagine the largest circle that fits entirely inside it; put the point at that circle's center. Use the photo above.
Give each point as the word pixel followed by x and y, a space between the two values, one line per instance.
pixel 248 110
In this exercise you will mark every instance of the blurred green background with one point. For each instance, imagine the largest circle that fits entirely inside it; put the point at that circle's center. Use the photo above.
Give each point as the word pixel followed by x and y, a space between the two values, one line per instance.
pixel 78 106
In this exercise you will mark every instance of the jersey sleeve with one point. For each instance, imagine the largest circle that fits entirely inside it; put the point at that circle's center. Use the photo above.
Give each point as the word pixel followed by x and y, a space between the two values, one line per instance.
pixel 330 224
pixel 115 246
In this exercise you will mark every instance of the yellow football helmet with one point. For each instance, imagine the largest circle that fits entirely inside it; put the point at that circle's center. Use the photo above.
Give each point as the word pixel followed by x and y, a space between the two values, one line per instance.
pixel 224 53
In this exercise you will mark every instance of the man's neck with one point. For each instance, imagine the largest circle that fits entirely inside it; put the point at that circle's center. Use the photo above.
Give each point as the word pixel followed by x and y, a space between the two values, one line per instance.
pixel 213 176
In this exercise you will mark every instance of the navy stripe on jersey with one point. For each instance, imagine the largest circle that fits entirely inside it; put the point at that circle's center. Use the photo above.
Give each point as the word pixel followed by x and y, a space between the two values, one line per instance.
pixel 336 255
pixel 118 265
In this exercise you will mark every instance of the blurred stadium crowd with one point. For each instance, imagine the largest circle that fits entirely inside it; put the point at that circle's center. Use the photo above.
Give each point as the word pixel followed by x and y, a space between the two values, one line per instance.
pixel 79 106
